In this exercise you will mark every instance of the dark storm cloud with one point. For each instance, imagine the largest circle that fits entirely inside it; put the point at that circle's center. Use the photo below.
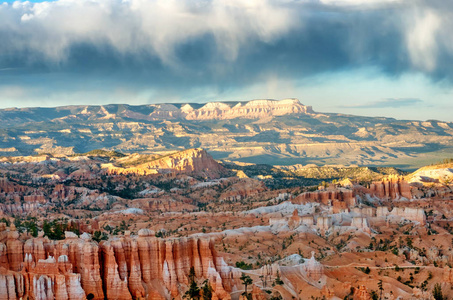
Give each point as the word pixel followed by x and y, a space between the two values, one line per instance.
pixel 227 44
pixel 388 103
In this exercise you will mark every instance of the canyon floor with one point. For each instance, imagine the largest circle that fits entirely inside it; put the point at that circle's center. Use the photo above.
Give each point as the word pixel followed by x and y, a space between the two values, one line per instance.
pixel 106 225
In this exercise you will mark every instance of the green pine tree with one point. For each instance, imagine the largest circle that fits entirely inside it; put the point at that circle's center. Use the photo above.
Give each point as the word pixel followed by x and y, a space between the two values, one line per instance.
pixel 194 291
pixel 437 292
pixel 246 281
pixel 206 290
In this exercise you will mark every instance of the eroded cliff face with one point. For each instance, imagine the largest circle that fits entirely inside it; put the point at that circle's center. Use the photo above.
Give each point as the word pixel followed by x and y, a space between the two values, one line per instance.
pixel 409 213
pixel 18 198
pixel 216 110
pixel 392 187
pixel 339 198
pixel 126 267
pixel 183 162
pixel 250 110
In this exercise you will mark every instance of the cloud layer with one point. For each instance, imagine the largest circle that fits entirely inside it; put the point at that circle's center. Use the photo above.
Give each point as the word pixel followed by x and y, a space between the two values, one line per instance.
pixel 171 45
pixel 388 103
pixel 55 32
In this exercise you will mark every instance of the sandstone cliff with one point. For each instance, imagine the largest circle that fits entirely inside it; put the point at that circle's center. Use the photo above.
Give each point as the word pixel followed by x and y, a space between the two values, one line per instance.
pixel 251 110
pixel 413 214
pixel 340 198
pixel 126 267
pixel 392 187
pixel 183 162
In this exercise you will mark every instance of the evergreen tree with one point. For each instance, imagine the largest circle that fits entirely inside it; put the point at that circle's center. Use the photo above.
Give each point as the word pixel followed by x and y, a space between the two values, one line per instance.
pixel 381 289
pixel 437 292
pixel 246 281
pixel 194 290
pixel 206 290
pixel 278 280
pixel 374 295
pixel 47 228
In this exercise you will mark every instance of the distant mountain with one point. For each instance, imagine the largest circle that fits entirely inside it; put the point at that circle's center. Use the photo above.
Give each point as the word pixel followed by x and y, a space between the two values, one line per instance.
pixel 157 112
pixel 258 131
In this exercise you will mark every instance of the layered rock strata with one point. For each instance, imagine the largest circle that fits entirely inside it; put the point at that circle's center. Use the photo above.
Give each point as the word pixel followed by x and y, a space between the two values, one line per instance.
pixel 392 187
pixel 187 162
pixel 127 267
pixel 339 199
pixel 222 111
pixel 409 213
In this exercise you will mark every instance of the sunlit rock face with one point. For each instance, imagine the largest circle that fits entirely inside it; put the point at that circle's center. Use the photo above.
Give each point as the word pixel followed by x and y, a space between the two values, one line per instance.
pixel 182 162
pixel 251 110
pixel 392 187
pixel 131 267
pixel 284 132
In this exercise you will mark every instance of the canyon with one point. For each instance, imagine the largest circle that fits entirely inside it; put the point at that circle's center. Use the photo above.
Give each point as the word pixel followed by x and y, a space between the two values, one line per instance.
pixel 109 225
pixel 261 200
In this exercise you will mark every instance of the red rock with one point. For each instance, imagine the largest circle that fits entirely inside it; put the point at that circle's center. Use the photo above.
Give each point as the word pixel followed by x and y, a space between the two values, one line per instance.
pixel 132 267
pixel 7 287
pixel 295 220
pixel 183 162
pixel 361 293
pixel 115 287
pixel 258 294
pixel 15 252
pixel 339 198
pixel 392 187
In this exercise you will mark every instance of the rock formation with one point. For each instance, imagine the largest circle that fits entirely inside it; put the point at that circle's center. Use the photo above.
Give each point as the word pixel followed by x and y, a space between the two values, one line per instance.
pixel 220 111
pixel 324 223
pixel 339 198
pixel 187 162
pixel 364 211
pixel 295 220
pixel 258 294
pixel 308 220
pixel 361 293
pixel 313 269
pixel 413 214
pixel 392 187
pixel 361 223
pixel 131 266
pixel 166 127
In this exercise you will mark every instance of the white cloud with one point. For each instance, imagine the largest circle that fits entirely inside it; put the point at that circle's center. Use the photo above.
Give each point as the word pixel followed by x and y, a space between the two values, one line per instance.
pixel 134 26
pixel 358 2
pixel 422 40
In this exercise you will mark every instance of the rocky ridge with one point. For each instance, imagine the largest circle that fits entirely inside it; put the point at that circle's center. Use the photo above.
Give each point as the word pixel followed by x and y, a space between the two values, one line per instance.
pixel 210 111
pixel 188 161
pixel 278 132
pixel 223 111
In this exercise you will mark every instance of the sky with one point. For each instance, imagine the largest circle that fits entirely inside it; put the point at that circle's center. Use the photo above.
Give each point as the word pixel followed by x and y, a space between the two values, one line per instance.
pixel 390 58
